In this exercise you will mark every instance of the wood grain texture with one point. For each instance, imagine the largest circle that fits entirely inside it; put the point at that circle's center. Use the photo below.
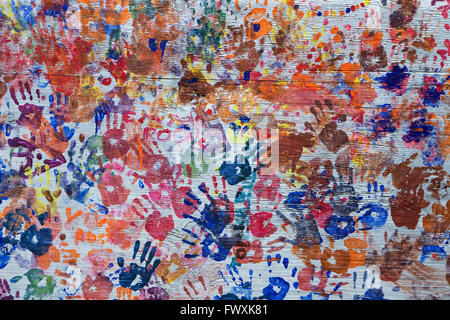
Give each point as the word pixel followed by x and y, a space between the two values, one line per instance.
pixel 218 149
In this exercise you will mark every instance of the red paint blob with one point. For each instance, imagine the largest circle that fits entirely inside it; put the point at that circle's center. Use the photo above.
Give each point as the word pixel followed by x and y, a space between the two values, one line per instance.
pixel 106 81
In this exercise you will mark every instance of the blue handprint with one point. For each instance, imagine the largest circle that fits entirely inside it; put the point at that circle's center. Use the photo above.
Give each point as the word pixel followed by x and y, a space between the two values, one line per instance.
pixel 135 276
pixel 374 213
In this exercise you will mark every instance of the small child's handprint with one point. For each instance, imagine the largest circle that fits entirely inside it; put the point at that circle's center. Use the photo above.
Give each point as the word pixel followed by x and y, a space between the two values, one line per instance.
pixel 137 276
pixel 374 213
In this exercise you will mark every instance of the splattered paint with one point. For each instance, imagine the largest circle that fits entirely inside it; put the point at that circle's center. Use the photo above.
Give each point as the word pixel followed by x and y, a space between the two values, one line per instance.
pixel 219 149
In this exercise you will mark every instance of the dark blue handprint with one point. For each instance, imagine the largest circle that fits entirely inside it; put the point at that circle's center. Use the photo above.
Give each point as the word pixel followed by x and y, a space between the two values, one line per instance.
pixel 137 276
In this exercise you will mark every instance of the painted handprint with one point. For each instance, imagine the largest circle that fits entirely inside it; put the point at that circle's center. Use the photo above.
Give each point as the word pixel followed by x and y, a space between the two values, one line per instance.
pixel 136 276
